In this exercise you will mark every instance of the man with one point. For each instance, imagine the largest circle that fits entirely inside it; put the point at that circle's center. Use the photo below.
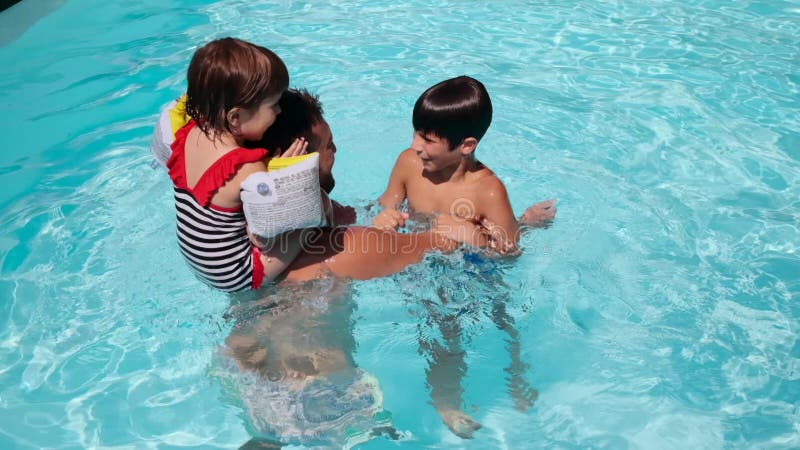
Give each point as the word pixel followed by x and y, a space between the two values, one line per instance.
pixel 301 117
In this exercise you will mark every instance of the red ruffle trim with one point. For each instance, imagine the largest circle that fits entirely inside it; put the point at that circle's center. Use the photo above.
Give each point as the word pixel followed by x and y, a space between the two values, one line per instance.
pixel 176 162
pixel 216 175
pixel 258 269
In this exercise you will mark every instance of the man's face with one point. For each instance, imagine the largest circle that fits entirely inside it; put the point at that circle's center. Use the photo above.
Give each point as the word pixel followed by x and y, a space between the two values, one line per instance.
pixel 322 142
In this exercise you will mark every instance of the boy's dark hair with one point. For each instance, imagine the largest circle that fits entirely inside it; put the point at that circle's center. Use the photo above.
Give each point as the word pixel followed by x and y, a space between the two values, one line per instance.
pixel 300 110
pixel 228 73
pixel 454 109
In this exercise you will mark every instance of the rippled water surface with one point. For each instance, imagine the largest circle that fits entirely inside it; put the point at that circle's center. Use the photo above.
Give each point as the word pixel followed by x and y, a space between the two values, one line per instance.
pixel 659 311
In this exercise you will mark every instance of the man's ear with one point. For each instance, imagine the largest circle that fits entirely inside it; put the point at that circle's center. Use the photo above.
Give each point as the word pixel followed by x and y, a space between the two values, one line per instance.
pixel 468 146
pixel 234 119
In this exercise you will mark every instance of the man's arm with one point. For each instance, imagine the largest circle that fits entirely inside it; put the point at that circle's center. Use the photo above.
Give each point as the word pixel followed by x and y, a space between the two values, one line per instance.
pixel 343 215
pixel 497 216
pixel 390 217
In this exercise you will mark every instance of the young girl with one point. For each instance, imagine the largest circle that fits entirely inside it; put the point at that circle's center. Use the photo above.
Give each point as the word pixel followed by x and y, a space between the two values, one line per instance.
pixel 233 92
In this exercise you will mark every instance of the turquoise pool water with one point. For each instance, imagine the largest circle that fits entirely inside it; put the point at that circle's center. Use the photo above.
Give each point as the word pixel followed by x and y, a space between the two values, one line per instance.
pixel 660 310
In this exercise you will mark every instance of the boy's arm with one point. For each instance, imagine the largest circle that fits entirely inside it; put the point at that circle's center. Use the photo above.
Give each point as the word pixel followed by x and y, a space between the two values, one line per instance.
pixel 396 189
pixel 390 217
pixel 497 217
pixel 539 215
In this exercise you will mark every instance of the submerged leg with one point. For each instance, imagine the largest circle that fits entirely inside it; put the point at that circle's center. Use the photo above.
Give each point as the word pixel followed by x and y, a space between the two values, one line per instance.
pixel 518 387
pixel 388 431
pixel 445 372
pixel 261 444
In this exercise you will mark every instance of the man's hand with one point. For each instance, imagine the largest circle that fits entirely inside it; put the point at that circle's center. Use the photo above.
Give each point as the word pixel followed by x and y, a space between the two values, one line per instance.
pixel 540 215
pixel 460 230
pixel 343 215
pixel 390 219
pixel 498 240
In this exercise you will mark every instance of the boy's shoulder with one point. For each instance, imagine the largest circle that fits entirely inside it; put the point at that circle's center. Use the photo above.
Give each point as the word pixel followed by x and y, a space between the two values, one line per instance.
pixel 409 157
pixel 486 188
pixel 487 180
pixel 407 164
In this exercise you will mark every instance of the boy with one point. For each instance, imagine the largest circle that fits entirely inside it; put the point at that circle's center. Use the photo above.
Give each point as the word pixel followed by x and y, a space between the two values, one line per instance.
pixel 439 174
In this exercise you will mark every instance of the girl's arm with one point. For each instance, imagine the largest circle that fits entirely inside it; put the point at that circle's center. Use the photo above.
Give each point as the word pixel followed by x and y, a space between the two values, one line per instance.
pixel 277 252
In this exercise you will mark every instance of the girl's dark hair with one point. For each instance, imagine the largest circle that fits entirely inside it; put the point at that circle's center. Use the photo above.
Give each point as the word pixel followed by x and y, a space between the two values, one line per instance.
pixel 229 73
pixel 454 109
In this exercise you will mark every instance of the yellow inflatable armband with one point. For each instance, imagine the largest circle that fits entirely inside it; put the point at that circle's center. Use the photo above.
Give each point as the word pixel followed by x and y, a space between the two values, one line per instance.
pixel 177 115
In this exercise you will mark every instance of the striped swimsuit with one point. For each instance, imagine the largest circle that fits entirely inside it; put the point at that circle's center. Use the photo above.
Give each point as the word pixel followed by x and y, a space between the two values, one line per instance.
pixel 213 239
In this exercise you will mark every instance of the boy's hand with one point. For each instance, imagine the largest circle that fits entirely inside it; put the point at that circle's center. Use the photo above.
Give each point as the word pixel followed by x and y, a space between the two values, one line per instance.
pixel 298 147
pixel 390 219
pixel 540 215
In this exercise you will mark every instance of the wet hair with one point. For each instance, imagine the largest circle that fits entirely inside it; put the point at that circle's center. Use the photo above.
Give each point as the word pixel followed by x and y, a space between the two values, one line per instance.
pixel 229 73
pixel 454 110
pixel 300 110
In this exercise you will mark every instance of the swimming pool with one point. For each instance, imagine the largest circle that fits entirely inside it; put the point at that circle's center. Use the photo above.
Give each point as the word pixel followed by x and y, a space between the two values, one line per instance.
pixel 660 310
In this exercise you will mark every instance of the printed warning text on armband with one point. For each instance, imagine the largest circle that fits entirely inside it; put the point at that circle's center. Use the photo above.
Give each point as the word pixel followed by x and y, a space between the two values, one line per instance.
pixel 283 200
